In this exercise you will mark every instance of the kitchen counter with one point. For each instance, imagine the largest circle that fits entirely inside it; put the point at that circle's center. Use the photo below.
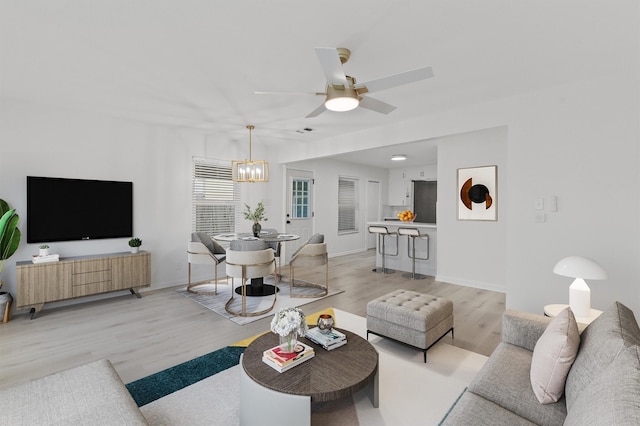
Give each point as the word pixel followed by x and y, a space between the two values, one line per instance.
pixel 398 223
pixel 424 248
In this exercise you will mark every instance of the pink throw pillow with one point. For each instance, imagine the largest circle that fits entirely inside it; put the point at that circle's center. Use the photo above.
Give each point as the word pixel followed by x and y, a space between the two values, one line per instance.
pixel 553 356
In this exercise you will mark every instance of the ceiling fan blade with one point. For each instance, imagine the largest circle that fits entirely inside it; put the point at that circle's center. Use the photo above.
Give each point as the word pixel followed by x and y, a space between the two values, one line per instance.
pixel 395 80
pixel 376 105
pixel 331 65
pixel 289 93
pixel 316 112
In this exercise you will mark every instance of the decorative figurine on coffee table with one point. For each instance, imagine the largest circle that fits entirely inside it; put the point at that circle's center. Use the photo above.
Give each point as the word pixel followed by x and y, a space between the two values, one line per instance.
pixel 325 323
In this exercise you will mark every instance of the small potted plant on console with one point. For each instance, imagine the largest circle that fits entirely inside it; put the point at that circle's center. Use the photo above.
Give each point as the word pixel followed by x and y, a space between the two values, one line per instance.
pixel 135 244
pixel 44 250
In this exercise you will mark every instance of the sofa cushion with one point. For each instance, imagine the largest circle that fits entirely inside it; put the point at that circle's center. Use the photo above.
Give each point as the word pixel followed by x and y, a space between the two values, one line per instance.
pixel 553 356
pixel 474 410
pixel 613 397
pixel 91 394
pixel 523 328
pixel 505 380
pixel 600 343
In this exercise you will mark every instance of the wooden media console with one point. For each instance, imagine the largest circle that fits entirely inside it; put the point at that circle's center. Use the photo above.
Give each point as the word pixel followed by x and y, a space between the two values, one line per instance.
pixel 78 276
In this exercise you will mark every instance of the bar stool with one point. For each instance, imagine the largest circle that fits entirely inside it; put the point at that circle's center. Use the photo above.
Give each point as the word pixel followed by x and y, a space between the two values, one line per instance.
pixel 413 234
pixel 383 232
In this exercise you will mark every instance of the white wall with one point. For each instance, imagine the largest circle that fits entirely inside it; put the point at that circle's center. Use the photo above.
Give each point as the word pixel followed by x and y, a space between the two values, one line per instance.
pixel 326 173
pixel 46 141
pixel 578 142
pixel 472 253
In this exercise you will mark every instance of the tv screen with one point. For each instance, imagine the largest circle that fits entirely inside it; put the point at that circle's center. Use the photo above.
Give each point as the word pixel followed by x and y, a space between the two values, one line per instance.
pixel 61 209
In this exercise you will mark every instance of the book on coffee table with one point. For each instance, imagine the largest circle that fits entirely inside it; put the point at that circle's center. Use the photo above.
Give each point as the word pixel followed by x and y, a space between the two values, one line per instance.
pixel 283 361
pixel 333 339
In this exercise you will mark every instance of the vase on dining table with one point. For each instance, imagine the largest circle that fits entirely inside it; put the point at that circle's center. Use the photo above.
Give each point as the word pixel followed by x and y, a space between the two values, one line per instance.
pixel 256 228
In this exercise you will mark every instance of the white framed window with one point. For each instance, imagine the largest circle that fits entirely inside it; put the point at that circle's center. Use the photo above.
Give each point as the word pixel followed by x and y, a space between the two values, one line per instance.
pixel 348 206
pixel 301 198
pixel 215 197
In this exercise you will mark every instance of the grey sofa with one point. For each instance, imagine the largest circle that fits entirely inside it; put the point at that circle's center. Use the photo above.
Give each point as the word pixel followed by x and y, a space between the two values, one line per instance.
pixel 602 386
pixel 91 394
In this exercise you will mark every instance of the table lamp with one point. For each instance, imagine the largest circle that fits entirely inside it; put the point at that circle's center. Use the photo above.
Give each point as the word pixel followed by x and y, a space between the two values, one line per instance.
pixel 580 268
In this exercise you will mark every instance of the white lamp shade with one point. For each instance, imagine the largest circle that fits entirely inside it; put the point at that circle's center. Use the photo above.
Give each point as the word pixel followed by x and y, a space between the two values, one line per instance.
pixel 580 267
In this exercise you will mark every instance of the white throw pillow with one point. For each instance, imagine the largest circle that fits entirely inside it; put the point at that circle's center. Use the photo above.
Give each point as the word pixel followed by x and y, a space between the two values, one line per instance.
pixel 553 356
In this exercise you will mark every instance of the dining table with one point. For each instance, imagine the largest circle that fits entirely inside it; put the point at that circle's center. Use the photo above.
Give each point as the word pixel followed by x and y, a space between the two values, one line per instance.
pixel 257 287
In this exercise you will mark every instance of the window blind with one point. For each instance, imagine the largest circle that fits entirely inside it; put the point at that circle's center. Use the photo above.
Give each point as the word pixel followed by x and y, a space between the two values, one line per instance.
pixel 347 205
pixel 216 200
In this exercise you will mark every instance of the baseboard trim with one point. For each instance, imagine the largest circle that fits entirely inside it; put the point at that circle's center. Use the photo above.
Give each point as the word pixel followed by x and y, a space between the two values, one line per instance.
pixel 344 253
pixel 471 283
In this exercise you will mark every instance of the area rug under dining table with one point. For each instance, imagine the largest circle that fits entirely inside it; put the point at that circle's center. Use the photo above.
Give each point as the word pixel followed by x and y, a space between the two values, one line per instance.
pixel 411 392
pixel 216 303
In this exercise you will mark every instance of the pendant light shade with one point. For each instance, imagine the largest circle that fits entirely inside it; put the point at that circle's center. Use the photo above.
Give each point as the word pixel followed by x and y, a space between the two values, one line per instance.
pixel 250 170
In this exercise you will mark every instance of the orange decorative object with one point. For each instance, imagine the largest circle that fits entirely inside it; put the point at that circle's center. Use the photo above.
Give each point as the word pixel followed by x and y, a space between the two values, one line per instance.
pixel 406 216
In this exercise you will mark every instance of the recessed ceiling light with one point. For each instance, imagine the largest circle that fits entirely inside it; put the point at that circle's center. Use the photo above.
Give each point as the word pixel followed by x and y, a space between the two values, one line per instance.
pixel 398 157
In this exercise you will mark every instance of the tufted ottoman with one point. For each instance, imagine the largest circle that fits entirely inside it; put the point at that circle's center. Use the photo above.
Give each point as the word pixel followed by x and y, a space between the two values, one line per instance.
pixel 417 319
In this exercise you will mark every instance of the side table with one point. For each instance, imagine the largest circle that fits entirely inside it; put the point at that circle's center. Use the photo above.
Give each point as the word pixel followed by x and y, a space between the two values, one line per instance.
pixel 553 310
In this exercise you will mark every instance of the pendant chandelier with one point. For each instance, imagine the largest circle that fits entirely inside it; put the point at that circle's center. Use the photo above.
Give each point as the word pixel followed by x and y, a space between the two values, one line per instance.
pixel 250 170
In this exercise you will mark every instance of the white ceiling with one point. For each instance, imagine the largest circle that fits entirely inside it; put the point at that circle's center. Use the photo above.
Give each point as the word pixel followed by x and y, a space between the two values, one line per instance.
pixel 197 63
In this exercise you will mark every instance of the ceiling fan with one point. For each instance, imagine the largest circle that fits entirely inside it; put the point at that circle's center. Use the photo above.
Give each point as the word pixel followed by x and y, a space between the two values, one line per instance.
pixel 343 93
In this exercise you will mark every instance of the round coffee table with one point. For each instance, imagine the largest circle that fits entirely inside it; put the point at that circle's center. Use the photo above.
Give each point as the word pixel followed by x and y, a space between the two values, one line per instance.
pixel 329 375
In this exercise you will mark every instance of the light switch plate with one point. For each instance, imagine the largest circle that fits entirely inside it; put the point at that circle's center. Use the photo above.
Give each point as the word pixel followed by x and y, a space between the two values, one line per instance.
pixel 538 204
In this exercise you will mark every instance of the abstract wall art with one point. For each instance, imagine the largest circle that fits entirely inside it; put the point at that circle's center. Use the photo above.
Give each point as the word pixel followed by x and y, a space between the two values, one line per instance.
pixel 478 193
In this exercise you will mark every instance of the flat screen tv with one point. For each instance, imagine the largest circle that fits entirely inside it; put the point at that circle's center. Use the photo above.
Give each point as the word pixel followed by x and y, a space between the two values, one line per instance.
pixel 60 209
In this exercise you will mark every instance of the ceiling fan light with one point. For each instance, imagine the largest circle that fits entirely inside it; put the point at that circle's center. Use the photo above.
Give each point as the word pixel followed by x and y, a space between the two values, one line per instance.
pixel 341 100
pixel 341 104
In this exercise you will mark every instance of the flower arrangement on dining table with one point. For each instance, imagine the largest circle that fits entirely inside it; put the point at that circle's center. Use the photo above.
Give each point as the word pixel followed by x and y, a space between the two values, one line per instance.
pixel 257 215
pixel 289 323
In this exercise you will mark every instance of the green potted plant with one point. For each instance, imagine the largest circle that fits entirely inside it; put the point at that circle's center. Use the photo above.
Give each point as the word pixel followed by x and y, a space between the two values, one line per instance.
pixel 135 244
pixel 44 250
pixel 9 242
pixel 256 217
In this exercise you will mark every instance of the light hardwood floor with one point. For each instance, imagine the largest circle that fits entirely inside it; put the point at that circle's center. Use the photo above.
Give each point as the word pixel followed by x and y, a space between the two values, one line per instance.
pixel 163 328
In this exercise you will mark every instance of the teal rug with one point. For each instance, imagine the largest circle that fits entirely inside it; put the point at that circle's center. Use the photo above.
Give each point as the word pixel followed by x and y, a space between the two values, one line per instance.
pixel 165 382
